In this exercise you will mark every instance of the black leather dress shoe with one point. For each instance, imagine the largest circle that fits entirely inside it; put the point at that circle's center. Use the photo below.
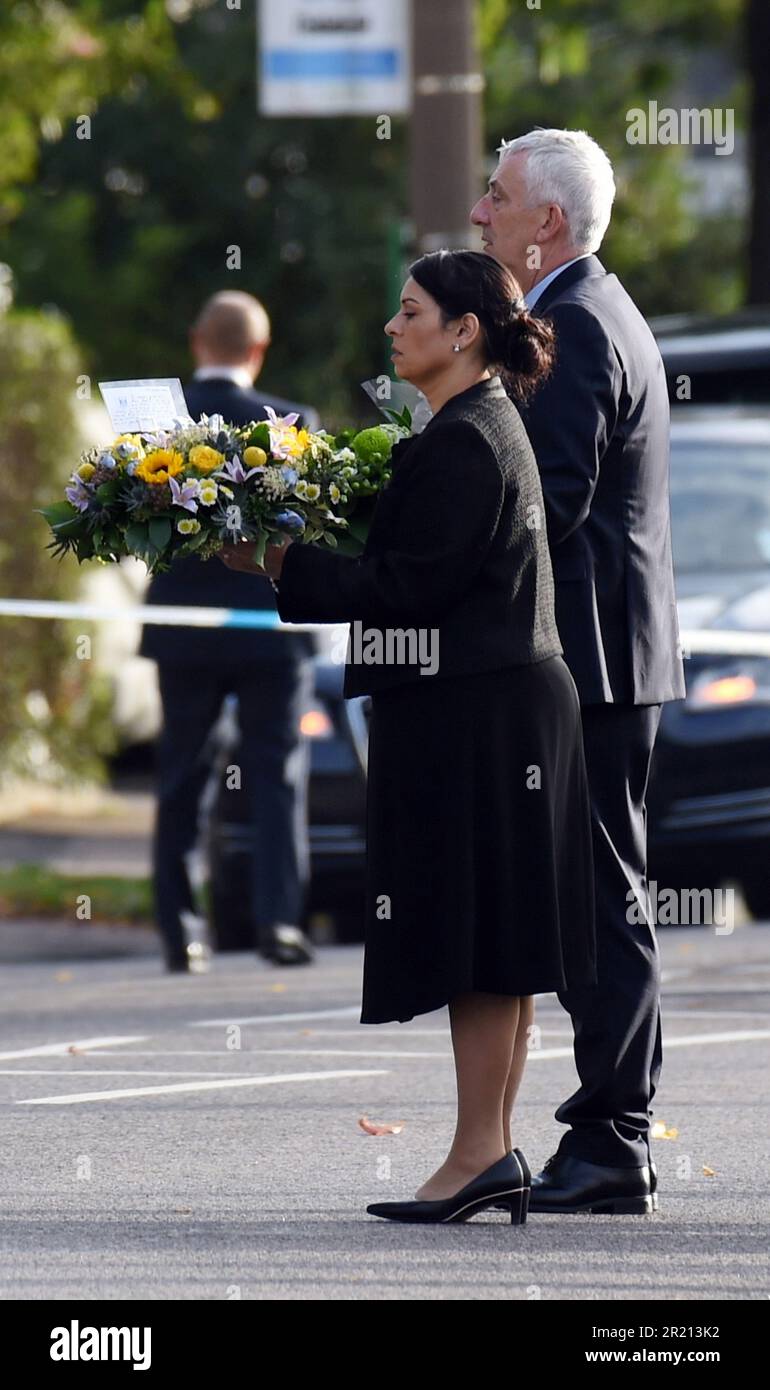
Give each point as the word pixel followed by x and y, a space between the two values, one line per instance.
pixel 285 945
pixel 503 1184
pixel 569 1184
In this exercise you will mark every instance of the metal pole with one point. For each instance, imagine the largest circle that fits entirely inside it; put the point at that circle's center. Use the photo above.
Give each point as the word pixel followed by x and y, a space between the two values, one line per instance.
pixel 446 126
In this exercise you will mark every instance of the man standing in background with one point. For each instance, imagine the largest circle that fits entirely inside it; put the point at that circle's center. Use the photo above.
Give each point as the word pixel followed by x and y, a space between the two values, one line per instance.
pixel 271 673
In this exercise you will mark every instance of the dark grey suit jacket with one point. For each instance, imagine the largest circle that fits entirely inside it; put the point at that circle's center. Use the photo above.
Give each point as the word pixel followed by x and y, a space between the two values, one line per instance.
pixel 457 544
pixel 600 431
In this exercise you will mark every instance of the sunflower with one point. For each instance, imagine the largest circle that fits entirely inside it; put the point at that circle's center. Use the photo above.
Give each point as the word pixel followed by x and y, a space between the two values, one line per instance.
pixel 159 466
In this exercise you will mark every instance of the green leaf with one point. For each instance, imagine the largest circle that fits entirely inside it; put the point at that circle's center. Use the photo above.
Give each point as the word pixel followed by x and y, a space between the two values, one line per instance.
pixel 346 545
pixel 59 513
pixel 137 538
pixel 402 418
pixel 258 554
pixel 260 437
pixel 107 492
pixel 360 522
pixel 160 532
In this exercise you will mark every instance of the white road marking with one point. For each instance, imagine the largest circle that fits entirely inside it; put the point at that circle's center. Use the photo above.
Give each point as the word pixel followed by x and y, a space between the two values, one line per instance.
pixel 80 1097
pixel 62 1049
pixel 349 1011
pixel 546 1054
pixel 713 1013
pixel 697 1038
pixel 113 1071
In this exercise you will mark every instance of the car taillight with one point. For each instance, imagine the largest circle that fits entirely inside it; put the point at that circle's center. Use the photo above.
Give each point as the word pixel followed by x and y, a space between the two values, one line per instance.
pixel 315 723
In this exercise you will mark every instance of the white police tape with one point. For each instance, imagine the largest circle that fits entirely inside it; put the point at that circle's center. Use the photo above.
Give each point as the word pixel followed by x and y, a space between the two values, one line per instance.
pixel 715 642
pixel 693 642
pixel 167 615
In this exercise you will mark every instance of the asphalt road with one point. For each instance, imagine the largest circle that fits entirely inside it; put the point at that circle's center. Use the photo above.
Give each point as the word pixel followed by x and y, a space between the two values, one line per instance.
pixel 147 1156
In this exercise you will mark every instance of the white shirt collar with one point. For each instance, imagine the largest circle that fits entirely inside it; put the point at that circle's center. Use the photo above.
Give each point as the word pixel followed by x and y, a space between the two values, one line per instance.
pixel 239 375
pixel 532 296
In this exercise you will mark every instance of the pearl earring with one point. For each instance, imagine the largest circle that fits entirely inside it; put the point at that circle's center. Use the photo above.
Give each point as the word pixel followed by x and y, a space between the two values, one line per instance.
pixel 457 348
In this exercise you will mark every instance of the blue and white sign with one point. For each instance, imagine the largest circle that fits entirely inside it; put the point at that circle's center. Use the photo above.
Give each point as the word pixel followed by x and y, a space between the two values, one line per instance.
pixel 334 57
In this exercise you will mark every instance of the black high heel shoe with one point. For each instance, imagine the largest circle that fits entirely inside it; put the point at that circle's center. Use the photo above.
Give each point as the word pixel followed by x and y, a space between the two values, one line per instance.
pixel 527 1181
pixel 505 1184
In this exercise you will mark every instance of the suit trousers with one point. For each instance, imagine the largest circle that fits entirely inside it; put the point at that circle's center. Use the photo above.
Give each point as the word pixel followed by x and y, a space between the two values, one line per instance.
pixel 273 758
pixel 617 1021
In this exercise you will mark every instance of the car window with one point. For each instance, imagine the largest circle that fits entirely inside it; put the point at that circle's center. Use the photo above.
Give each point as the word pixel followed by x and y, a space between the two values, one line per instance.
pixel 720 506
pixel 720 385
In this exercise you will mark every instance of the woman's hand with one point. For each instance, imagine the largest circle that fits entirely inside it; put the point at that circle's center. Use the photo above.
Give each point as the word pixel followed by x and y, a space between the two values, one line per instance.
pixel 238 556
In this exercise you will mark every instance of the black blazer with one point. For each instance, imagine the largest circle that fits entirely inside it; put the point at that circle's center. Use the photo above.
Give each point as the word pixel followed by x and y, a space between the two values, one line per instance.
pixel 457 544
pixel 208 583
pixel 600 430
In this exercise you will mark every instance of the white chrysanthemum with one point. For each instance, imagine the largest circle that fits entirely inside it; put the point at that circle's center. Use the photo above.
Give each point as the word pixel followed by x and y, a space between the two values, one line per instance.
pixel 274 483
pixel 208 494
pixel 300 488
pixel 334 492
pixel 312 492
pixel 188 526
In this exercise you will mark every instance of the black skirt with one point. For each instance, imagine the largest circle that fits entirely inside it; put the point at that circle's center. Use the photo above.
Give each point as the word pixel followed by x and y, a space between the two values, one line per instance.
pixel 479 870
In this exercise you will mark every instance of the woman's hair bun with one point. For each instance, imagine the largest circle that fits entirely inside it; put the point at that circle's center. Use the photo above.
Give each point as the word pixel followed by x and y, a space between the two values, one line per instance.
pixel 523 347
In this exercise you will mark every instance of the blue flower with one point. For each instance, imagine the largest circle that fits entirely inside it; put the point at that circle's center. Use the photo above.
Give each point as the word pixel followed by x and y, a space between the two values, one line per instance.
pixel 289 475
pixel 292 521
pixel 107 461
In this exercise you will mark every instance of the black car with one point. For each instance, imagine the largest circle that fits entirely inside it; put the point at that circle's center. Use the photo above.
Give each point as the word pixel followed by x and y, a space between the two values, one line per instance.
pixel 709 796
pixel 712 360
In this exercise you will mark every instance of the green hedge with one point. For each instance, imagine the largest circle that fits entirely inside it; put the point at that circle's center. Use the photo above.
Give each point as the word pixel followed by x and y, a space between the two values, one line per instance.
pixel 54 710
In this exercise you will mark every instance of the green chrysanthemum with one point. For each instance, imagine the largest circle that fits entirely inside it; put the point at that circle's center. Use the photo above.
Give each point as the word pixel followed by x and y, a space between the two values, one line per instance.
pixel 373 446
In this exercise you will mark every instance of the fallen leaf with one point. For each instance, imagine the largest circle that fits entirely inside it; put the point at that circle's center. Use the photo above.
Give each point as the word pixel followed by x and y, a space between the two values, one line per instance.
pixel 63 976
pixel 277 989
pixel 80 1051
pixel 369 1127
pixel 660 1130
pixel 708 1172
